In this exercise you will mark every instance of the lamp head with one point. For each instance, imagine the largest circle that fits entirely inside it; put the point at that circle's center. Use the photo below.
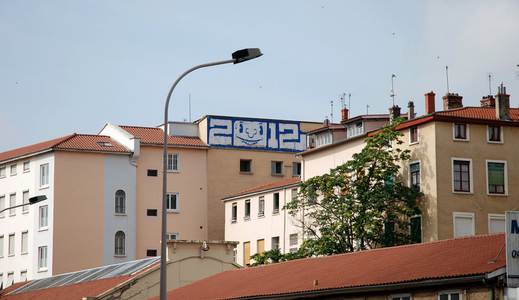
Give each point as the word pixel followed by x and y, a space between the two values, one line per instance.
pixel 246 54
pixel 37 199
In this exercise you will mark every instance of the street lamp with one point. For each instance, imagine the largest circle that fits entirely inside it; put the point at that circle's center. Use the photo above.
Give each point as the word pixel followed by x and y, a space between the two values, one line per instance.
pixel 237 57
pixel 32 200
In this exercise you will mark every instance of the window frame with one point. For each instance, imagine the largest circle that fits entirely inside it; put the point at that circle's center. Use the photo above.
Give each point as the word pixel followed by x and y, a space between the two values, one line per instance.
pixel 249 161
pixel 43 184
pixel 449 292
pixel 2 240
pixel 26 234
pixel 410 183
pixel 278 242
pixel 12 211
pixel 46 226
pixel 119 250
pixel 9 252
pixel 294 167
pixel 495 217
pixel 3 171
pixel 41 267
pixel 421 226
pixel 261 208
pixel 173 155
pixel 25 208
pixel 501 135
pixel 26 163
pixel 273 167
pixel 234 212
pixel 400 296
pixel 505 169
pixel 411 142
pixel 471 175
pixel 467 132
pixel 275 210
pixel 11 173
pixel 463 214
pixel 122 199
pixel 177 202
pixel 293 247
pixel 3 198
pixel 246 216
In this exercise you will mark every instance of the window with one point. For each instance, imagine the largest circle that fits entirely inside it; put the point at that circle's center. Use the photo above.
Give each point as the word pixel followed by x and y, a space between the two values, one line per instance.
pixel 26 166
pixel 415 228
pixel 460 131
pixel 44 217
pixel 293 242
pixel 463 224
pixel 293 194
pixel 260 246
pixel 274 243
pixel 42 258
pixel 120 202
pixel 275 203
pixel 10 246
pixel 234 212
pixel 173 236
pixel 172 202
pixel 151 252
pixel 261 206
pixel 24 246
pixel 153 173
pixel 120 244
pixel 2 171
pixel 23 275
pixel 12 202
pixel 172 161
pixel 1 247
pixel 414 175
pixel 461 170
pixel 296 169
pixel 2 205
pixel 496 223
pixel 277 168
pixel 401 297
pixel 449 295
pixel 13 170
pixel 151 212
pixel 389 233
pixel 44 175
pixel 245 166
pixel 247 210
pixel 494 134
pixel 413 135
pixel 25 200
pixel 10 278
pixel 246 253
pixel 496 178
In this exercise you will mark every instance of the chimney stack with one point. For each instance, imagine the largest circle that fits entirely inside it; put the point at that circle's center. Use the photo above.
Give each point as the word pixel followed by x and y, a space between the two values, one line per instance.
pixel 488 101
pixel 326 122
pixel 410 110
pixel 502 103
pixel 452 101
pixel 430 103
pixel 394 112
pixel 344 114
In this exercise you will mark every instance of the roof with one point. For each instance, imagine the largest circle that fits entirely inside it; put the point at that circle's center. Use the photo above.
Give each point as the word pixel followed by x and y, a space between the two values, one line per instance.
pixel 72 142
pixel 372 268
pixel 155 136
pixel 266 187
pixel 327 127
pixel 337 143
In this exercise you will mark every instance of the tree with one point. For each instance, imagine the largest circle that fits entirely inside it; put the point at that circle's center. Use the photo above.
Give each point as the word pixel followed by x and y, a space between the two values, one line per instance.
pixel 359 205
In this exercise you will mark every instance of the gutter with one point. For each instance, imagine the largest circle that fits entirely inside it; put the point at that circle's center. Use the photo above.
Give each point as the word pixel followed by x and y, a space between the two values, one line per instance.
pixel 261 192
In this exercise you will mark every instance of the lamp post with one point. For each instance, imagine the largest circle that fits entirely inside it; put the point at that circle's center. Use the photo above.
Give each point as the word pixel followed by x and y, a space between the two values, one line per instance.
pixel 237 57
pixel 32 200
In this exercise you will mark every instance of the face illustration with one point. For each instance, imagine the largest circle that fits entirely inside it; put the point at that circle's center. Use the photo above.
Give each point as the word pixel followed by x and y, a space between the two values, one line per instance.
pixel 250 133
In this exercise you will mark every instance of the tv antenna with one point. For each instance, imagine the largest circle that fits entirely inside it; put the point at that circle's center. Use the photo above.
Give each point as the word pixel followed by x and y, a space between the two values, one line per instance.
pixel 331 111
pixel 367 109
pixel 490 83
pixel 349 101
pixel 343 100
pixel 393 76
pixel 447 77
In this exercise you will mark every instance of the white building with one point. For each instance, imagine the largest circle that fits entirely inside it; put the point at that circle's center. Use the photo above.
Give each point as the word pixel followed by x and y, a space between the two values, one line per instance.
pixel 255 218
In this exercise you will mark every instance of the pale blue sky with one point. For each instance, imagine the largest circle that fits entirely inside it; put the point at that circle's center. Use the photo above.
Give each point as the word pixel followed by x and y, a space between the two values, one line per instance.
pixel 71 66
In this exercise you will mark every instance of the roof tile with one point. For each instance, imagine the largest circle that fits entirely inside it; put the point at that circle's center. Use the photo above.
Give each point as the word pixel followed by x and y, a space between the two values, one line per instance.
pixel 268 186
pixel 155 136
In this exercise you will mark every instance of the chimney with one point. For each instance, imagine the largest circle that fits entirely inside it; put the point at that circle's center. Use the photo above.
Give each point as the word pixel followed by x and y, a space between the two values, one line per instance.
pixel 344 115
pixel 326 122
pixel 410 110
pixel 488 101
pixel 452 101
pixel 394 112
pixel 430 104
pixel 502 103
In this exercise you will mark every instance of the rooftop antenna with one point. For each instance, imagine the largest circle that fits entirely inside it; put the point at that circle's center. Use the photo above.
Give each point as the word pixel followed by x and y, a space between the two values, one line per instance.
pixel 393 76
pixel 490 83
pixel 343 100
pixel 447 77
pixel 331 111
pixel 367 109
pixel 349 101
pixel 190 108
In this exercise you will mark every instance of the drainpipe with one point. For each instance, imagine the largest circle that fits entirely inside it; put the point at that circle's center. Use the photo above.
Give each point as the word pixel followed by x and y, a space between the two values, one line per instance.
pixel 284 220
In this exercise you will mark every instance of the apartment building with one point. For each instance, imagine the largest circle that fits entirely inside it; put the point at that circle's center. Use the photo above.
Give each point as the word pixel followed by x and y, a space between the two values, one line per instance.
pixel 89 213
pixel 255 218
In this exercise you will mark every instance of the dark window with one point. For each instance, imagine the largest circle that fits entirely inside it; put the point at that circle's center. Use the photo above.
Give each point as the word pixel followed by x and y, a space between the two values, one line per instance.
pixel 415 228
pixel 449 296
pixel 247 209
pixel 261 206
pixel 389 233
pixel 119 243
pixel 460 131
pixel 413 133
pixel 461 175
pixel 120 202
pixel 275 203
pixel 494 133
pixel 234 212
pixel 151 212
pixel 277 167
pixel 151 252
pixel 296 169
pixel 414 170
pixel 245 165
pixel 152 172
pixel 496 177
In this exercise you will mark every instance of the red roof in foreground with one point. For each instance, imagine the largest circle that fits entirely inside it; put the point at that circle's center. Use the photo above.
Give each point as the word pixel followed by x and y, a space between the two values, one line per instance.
pixel 72 142
pixel 266 187
pixel 155 136
pixel 68 292
pixel 459 257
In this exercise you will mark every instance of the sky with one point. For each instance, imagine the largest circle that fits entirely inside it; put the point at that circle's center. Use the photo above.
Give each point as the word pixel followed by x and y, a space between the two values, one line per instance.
pixel 72 66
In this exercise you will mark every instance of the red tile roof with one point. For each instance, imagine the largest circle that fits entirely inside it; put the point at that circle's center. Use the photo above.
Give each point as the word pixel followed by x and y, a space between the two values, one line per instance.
pixel 72 142
pixel 411 263
pixel 155 136
pixel 265 187
pixel 68 292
